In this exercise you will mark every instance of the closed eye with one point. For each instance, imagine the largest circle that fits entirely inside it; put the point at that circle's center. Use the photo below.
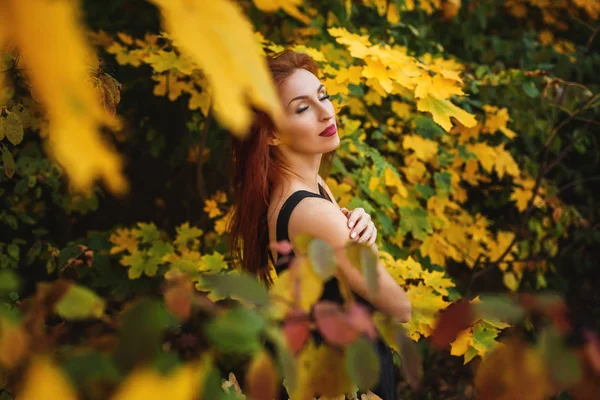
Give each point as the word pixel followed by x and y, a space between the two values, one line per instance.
pixel 301 110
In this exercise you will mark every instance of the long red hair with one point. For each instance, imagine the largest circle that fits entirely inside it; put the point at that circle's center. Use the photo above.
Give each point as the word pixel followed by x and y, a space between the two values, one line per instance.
pixel 255 168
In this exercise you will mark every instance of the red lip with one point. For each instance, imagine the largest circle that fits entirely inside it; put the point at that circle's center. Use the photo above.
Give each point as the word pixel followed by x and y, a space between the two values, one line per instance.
pixel 330 130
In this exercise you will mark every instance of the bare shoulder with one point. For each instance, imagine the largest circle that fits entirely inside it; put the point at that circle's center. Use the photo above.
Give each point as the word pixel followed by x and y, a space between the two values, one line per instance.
pixel 319 218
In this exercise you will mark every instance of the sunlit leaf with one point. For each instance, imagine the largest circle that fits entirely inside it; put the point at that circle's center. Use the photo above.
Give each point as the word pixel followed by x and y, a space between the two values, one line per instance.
pixel 80 303
pixel 43 380
pixel 219 38
pixel 56 57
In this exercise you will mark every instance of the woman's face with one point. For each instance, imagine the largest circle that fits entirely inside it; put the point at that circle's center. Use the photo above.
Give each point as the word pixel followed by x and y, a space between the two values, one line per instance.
pixel 309 113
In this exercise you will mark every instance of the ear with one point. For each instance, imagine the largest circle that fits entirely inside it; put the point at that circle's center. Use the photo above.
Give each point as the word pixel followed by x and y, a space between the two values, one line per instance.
pixel 274 140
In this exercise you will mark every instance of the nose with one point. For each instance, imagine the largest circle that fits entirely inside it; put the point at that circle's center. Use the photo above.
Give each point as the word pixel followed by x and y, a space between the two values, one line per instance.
pixel 326 112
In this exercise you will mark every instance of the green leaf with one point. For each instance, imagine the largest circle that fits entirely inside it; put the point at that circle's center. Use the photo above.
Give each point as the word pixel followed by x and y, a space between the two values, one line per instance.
pixel 484 337
pixel 14 128
pixel 13 251
pixel 414 220
pixel 323 258
pixel 362 363
pixel 80 303
pixel 9 281
pixel 9 163
pixel 91 366
pixel 502 308
pixel 563 364
pixel 237 331
pixel 530 89
pixel 425 191
pixel 242 286
pixel 362 257
pixel 442 181
pixel 141 327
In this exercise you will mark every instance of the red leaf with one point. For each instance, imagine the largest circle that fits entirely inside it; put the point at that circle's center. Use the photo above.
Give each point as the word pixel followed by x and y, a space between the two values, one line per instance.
pixel 361 320
pixel 296 329
pixel 454 319
pixel 334 324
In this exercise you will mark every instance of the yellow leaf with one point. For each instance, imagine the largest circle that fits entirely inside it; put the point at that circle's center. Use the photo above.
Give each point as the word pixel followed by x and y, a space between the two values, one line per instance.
pixel 393 15
pixel 182 384
pixel 341 192
pixel 510 281
pixel 521 197
pixel 44 380
pixel 426 306
pixel 462 342
pixel 57 58
pixel 300 281
pixel 212 208
pixel 391 179
pixel 289 6
pixel 219 38
pixel 321 369
pixel 485 154
pixel 439 87
pixel 377 70
pixel 424 149
pixel 442 110
pixel 505 163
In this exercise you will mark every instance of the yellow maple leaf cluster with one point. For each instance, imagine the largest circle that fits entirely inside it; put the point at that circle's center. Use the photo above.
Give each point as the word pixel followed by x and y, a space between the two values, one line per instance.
pixel 390 70
pixel 426 291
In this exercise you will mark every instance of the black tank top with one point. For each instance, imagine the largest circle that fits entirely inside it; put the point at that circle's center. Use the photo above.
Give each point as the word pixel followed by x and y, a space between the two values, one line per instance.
pixel 386 388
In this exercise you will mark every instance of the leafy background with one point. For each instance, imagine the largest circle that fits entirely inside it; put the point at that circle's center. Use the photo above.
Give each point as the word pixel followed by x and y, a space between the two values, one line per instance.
pixel 468 133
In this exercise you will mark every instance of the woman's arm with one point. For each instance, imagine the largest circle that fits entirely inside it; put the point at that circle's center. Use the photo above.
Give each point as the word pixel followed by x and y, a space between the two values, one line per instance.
pixel 322 219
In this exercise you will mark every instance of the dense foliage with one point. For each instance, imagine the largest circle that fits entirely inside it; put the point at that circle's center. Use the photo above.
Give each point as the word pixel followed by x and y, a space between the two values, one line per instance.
pixel 467 133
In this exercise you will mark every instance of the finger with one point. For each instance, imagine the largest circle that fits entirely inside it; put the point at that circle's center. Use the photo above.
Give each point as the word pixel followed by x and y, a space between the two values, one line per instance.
pixel 358 229
pixel 344 210
pixel 373 237
pixel 366 235
pixel 355 216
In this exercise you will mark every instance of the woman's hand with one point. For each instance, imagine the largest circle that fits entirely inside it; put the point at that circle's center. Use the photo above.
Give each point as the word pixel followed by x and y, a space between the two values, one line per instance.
pixel 362 228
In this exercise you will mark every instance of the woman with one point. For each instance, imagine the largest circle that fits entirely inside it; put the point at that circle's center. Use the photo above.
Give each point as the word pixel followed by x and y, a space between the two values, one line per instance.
pixel 278 187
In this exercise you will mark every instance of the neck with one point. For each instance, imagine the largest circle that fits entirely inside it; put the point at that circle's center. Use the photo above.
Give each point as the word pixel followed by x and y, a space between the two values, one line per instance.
pixel 303 169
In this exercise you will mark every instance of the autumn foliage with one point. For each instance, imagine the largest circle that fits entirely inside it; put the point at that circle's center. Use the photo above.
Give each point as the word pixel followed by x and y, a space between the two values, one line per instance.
pixel 467 133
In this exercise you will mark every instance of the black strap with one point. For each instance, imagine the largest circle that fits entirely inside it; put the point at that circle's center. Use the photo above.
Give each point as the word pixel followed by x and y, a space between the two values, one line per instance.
pixel 285 213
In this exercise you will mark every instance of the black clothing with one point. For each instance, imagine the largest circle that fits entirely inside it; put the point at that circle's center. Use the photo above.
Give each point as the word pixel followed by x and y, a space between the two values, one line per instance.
pixel 386 388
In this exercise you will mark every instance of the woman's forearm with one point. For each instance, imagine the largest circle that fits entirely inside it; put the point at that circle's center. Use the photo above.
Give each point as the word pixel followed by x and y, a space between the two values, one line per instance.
pixel 390 299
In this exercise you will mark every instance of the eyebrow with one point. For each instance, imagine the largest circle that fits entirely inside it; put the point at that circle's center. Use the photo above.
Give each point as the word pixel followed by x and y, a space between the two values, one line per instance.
pixel 305 97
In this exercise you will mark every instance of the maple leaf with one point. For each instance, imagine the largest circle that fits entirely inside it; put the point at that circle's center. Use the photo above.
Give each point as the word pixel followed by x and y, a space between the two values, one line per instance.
pixel 212 208
pixel 424 149
pixel 505 163
pixel 289 6
pixel 442 110
pixel 123 239
pixel 219 39
pixel 187 236
pixel 521 197
pixel 439 87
